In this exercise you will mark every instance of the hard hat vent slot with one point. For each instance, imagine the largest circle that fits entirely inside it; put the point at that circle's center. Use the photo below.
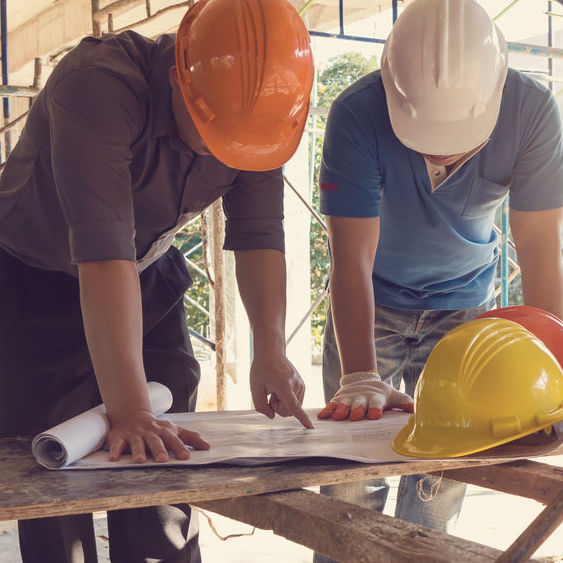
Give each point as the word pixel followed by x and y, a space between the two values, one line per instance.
pixel 504 427
pixel 204 111
pixel 549 417
pixel 251 26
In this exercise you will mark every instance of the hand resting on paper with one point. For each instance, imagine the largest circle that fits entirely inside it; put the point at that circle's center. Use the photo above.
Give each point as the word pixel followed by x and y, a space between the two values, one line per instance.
pixel 140 431
pixel 362 394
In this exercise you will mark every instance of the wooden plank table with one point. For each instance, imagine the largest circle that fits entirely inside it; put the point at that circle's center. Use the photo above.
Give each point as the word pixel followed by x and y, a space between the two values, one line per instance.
pixel 265 496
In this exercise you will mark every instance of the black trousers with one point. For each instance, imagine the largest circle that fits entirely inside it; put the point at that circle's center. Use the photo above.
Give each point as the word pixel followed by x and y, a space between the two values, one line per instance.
pixel 46 377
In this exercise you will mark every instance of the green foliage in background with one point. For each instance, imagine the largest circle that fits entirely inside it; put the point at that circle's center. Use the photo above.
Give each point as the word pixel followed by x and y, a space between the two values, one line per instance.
pixel 186 240
pixel 341 72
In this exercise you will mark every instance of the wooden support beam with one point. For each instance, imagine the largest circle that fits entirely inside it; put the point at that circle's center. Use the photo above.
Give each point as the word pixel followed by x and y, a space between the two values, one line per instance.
pixel 529 479
pixel 536 533
pixel 347 532
pixel 220 304
pixel 21 91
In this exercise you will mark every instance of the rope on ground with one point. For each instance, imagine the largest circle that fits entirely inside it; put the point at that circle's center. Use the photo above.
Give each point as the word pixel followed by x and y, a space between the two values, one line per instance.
pixel 434 487
pixel 214 530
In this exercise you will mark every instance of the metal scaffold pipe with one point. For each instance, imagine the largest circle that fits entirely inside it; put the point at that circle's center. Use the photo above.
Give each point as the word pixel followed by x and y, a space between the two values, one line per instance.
pixel 537 50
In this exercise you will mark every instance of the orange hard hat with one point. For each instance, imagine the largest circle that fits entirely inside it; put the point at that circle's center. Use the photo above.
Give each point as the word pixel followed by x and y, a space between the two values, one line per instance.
pixel 245 69
pixel 545 326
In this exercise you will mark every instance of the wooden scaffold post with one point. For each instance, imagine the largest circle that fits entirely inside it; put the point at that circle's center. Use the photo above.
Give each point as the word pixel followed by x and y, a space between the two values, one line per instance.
pixel 218 236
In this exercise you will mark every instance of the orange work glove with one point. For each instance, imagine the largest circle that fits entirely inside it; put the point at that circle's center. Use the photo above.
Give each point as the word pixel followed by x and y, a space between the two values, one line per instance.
pixel 362 394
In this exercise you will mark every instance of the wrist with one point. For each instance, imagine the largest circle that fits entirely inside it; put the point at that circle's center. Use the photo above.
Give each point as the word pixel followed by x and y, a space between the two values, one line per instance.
pixel 268 343
pixel 363 375
pixel 129 415
pixel 125 398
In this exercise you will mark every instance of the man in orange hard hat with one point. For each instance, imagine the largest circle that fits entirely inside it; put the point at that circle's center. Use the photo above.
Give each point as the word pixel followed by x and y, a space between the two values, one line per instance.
pixel 417 159
pixel 129 140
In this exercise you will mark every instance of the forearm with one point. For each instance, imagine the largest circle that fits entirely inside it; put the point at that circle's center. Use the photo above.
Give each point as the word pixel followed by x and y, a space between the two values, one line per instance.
pixel 537 237
pixel 111 307
pixel 261 277
pixel 362 394
pixel 542 282
pixel 275 385
pixel 353 243
pixel 353 313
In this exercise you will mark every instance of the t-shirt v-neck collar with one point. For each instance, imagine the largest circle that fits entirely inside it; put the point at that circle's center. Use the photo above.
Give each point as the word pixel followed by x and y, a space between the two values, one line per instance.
pixel 439 174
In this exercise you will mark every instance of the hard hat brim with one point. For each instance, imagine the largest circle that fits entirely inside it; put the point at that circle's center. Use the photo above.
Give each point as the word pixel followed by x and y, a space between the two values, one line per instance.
pixel 411 442
pixel 448 138
pixel 253 148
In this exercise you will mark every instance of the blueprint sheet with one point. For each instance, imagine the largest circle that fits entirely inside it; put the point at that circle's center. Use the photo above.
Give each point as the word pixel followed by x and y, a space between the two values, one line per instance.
pixel 250 438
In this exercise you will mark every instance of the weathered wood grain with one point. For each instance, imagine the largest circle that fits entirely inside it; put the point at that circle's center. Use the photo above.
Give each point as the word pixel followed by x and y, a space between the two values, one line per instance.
pixel 536 533
pixel 346 532
pixel 30 491
pixel 525 478
pixel 340 530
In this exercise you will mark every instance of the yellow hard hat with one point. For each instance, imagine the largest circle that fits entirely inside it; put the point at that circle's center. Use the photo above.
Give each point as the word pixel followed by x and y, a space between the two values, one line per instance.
pixel 485 383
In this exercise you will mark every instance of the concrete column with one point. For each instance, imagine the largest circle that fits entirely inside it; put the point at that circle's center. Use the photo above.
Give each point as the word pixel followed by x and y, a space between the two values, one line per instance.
pixel 297 235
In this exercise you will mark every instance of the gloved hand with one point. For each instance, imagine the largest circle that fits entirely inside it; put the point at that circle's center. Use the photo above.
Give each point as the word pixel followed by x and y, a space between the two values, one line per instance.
pixel 363 393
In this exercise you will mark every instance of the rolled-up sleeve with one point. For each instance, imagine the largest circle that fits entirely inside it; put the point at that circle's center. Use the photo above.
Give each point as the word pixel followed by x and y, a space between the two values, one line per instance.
pixel 94 120
pixel 350 178
pixel 254 212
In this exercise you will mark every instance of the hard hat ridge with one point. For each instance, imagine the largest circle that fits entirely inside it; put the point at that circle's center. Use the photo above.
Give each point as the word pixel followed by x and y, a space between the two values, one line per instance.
pixel 493 339
pixel 545 326
pixel 251 27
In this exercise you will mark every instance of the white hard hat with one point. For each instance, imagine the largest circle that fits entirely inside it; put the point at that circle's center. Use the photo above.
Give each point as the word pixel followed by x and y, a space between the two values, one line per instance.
pixel 443 68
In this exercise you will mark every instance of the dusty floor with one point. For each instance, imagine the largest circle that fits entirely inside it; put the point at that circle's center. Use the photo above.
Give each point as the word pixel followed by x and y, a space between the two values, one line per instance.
pixel 487 517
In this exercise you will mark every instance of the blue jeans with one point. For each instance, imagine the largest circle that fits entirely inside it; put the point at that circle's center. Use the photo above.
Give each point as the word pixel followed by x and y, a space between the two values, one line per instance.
pixel 403 340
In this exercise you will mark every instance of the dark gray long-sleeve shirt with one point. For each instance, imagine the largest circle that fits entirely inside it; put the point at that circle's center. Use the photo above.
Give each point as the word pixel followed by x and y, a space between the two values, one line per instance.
pixel 99 172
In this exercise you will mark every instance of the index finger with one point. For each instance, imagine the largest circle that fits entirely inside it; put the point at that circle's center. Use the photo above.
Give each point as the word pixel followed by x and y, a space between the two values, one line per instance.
pixel 302 416
pixel 294 407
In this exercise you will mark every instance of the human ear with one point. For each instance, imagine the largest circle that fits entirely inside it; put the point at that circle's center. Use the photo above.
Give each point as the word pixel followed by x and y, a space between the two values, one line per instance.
pixel 173 77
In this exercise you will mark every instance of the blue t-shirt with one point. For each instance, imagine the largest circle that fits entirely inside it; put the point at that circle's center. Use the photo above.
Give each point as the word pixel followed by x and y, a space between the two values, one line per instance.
pixel 438 250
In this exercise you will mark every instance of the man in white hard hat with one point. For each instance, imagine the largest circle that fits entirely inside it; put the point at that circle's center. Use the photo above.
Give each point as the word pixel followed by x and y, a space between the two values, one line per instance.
pixel 417 159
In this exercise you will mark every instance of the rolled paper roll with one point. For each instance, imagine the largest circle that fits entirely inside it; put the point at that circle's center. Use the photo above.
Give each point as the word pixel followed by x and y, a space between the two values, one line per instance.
pixel 85 433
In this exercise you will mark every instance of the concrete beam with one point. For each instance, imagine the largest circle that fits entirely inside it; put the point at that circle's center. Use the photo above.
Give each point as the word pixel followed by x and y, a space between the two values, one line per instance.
pixel 60 24
pixel 39 32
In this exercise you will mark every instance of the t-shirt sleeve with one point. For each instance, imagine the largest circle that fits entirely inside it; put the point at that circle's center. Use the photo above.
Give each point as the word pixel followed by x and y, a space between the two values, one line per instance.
pixel 537 179
pixel 350 177
pixel 254 212
pixel 94 120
